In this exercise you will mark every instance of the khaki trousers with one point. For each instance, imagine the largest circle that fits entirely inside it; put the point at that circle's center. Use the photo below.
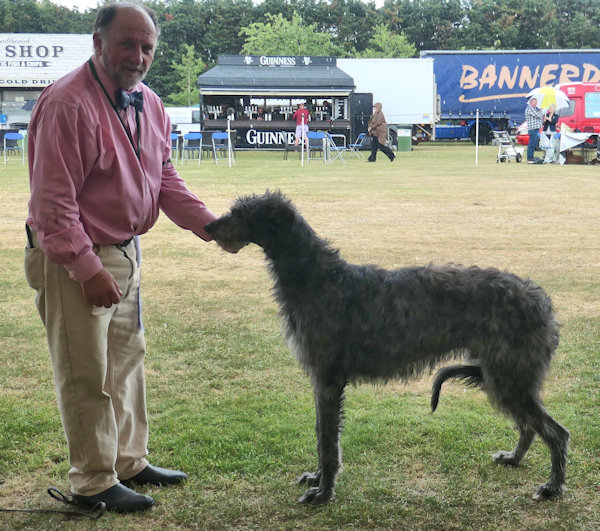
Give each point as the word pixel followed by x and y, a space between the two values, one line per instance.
pixel 98 365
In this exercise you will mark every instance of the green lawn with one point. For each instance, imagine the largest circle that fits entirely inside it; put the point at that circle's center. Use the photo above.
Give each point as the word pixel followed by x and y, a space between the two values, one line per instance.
pixel 229 404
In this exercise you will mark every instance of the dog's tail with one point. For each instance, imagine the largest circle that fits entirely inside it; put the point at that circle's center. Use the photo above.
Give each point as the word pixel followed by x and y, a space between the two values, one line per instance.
pixel 469 374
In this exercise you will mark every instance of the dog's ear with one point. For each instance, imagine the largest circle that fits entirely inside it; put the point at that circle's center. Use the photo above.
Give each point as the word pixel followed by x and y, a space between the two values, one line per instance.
pixel 280 217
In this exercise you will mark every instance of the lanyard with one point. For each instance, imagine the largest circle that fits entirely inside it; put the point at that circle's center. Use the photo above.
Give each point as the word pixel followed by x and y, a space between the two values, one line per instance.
pixel 137 115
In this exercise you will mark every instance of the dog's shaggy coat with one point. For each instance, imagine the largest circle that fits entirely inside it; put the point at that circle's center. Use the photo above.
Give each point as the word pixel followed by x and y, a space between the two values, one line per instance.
pixel 349 323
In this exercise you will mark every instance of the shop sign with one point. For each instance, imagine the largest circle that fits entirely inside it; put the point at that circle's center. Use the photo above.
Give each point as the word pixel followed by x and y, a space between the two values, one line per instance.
pixel 276 61
pixel 38 59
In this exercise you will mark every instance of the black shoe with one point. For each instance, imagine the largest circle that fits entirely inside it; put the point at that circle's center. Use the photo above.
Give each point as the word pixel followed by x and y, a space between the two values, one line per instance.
pixel 118 499
pixel 154 475
pixel 392 158
pixel 370 160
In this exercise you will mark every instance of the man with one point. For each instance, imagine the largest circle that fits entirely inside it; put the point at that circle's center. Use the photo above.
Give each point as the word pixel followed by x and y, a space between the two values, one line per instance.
pixel 377 128
pixel 99 172
pixel 534 118
pixel 301 115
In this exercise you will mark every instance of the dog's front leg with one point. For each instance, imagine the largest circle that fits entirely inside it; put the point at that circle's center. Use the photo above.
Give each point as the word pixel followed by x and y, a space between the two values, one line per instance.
pixel 328 401
pixel 313 478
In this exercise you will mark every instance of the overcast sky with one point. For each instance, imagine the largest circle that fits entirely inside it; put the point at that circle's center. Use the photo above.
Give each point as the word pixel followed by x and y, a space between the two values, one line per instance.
pixel 86 4
pixel 81 4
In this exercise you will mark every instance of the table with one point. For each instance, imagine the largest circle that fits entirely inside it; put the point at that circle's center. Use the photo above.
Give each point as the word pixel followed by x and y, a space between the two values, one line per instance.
pixel 571 140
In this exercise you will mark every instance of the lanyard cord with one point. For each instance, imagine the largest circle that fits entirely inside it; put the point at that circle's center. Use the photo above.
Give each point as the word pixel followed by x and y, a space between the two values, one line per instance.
pixel 114 106
pixel 94 513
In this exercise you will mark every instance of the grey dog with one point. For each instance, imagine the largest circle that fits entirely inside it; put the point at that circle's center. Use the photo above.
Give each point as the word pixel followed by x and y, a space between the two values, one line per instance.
pixel 349 324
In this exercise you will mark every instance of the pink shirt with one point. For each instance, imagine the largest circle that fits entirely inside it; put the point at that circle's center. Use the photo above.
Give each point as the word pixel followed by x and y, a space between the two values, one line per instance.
pixel 87 184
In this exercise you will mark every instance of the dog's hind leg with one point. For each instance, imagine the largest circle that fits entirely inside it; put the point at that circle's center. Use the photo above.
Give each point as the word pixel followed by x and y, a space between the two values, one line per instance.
pixel 532 418
pixel 328 401
pixel 557 439
pixel 514 458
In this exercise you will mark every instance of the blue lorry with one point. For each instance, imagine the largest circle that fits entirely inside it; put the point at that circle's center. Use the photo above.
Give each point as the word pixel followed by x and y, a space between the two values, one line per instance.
pixel 496 83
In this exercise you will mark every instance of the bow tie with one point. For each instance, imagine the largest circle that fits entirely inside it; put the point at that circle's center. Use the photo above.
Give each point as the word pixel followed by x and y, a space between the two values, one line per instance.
pixel 124 100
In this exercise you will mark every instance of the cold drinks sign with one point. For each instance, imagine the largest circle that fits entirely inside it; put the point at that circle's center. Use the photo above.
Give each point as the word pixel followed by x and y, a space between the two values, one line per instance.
pixel 38 59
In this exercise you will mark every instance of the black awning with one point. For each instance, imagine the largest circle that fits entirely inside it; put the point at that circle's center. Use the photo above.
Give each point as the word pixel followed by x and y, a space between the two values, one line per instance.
pixel 268 75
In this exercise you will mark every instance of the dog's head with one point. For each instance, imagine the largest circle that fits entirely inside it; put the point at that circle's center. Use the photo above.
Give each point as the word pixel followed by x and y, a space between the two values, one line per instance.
pixel 252 219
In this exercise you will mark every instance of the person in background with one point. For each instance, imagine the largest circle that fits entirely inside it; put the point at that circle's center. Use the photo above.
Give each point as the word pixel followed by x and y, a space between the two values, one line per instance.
pixel 301 115
pixel 377 128
pixel 260 113
pixel 99 168
pixel 534 118
pixel 550 119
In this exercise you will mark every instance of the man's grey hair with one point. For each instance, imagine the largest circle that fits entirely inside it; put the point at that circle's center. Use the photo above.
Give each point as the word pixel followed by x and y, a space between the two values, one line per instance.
pixel 107 13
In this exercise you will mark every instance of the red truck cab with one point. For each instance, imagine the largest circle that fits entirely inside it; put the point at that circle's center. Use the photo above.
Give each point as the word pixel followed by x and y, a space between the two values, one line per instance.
pixel 583 113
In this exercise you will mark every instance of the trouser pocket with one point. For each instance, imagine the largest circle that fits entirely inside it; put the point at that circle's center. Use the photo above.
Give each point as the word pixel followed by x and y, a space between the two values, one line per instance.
pixel 34 262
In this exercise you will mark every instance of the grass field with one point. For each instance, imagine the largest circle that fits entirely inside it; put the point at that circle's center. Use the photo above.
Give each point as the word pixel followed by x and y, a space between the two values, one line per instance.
pixel 228 403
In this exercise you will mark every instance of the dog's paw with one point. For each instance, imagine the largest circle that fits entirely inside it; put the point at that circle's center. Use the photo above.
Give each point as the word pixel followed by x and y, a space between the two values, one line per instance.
pixel 548 492
pixel 316 496
pixel 505 458
pixel 309 478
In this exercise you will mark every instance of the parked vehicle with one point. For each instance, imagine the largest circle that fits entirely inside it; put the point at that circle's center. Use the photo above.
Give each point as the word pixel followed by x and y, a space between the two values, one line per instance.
pixel 582 115
pixel 184 119
pixel 496 83
pixel 405 87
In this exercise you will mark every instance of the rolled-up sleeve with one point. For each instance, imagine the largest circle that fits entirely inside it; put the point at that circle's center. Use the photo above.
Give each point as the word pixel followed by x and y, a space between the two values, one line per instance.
pixel 181 205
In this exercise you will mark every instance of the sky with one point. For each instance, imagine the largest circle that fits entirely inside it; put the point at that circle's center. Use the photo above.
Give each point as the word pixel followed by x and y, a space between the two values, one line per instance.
pixel 81 4
pixel 86 4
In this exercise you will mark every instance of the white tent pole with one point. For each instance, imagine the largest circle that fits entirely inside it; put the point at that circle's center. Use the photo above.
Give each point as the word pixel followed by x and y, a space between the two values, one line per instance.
pixel 302 142
pixel 229 141
pixel 477 138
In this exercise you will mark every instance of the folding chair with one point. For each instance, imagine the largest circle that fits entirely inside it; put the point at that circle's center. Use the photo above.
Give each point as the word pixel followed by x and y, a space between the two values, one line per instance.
pixel 356 146
pixel 549 143
pixel 192 144
pixel 11 143
pixel 287 147
pixel 175 147
pixel 207 146
pixel 221 143
pixel 335 150
pixel 317 143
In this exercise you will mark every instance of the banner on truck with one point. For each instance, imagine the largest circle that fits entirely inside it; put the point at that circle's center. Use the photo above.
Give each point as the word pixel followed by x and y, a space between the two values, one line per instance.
pixel 498 81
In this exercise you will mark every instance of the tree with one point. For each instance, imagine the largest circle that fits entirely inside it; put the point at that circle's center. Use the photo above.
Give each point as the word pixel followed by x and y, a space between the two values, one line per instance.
pixel 187 73
pixel 386 44
pixel 279 36
pixel 349 22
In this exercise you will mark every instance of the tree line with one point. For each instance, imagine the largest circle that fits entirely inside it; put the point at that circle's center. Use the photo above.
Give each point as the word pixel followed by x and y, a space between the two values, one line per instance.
pixel 195 32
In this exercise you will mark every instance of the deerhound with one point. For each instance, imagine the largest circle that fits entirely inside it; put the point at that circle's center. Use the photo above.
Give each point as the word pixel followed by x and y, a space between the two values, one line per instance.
pixel 350 324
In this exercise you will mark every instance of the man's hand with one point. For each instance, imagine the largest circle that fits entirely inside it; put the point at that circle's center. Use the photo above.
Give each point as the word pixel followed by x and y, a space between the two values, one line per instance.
pixel 101 290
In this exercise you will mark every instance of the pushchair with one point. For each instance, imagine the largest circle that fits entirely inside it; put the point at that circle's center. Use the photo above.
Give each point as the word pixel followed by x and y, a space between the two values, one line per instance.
pixel 506 148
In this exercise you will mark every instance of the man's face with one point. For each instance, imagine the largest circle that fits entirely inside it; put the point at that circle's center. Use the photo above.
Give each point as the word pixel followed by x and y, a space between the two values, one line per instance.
pixel 126 48
pixel 533 102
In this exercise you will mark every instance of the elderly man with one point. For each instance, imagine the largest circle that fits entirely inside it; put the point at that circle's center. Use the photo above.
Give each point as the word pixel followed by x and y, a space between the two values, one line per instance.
pixel 99 148
pixel 534 118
